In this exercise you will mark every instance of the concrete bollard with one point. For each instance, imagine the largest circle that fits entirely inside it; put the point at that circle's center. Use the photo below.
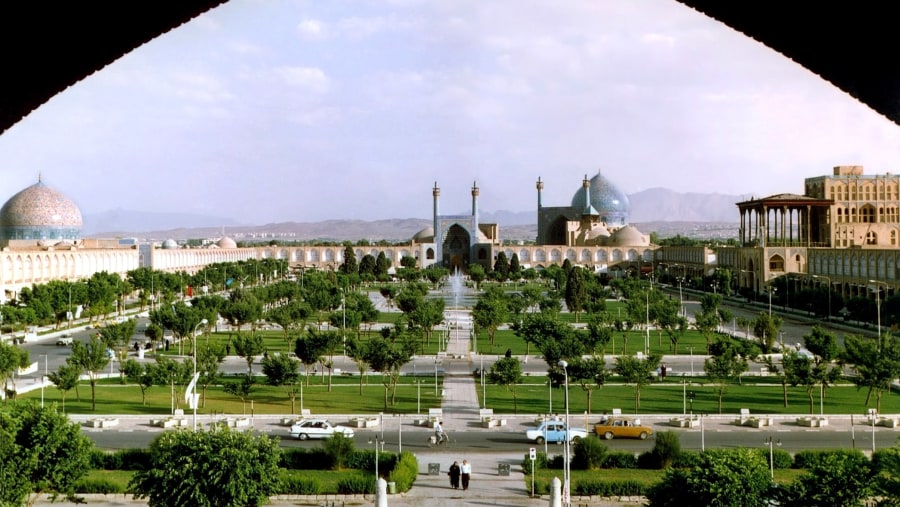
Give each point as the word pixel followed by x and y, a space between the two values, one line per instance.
pixel 381 493
pixel 556 492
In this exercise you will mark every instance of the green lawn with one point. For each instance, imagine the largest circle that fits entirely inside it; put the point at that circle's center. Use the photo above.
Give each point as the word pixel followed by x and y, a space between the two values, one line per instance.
pixel 659 343
pixel 762 395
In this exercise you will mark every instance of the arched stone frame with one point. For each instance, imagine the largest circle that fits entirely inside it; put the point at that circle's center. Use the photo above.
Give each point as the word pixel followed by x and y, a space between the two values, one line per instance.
pixel 555 255
pixel 329 255
pixel 524 255
pixel 632 255
pixel 8 268
pixel 557 231
pixel 482 253
pixel 647 255
pixel 571 255
pixel 39 273
pixel 776 263
pixel 429 254
pixel 313 255
pixel 601 255
pixel 540 255
pixel 585 256
pixel 359 253
pixel 617 255
pixel 19 276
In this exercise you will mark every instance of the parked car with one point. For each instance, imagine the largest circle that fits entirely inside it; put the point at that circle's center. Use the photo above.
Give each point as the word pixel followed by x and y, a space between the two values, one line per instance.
pixel 621 427
pixel 554 431
pixel 64 340
pixel 318 428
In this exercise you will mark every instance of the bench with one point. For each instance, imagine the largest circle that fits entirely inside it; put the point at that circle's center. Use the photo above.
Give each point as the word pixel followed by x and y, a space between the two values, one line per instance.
pixel 235 422
pixel 365 422
pixel 169 422
pixel 490 422
pixel 812 422
pixel 684 422
pixel 435 415
pixel 102 422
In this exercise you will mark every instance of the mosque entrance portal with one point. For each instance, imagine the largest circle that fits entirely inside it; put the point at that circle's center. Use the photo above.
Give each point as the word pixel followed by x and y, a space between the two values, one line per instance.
pixel 456 249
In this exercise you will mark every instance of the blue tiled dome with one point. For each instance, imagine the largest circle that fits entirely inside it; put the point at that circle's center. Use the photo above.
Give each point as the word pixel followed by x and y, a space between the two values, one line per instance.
pixel 40 213
pixel 610 202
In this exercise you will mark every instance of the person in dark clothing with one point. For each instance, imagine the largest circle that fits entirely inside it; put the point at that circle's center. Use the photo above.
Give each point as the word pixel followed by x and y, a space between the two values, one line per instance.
pixel 454 475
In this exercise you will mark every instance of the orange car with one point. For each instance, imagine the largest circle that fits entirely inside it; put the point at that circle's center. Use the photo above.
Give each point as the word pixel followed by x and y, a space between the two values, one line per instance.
pixel 622 428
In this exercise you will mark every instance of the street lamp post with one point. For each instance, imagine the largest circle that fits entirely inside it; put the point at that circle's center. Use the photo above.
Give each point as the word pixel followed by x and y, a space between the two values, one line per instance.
pixel 771 442
pixel 344 321
pixel 566 498
pixel 44 379
pixel 193 386
pixel 827 293
pixel 771 290
pixel 878 306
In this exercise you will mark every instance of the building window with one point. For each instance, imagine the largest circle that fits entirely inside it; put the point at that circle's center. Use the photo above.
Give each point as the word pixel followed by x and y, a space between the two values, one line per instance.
pixel 871 238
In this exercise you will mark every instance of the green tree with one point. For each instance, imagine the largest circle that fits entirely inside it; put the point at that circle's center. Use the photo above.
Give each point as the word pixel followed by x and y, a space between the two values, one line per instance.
pixel 309 350
pixel 836 479
pixel 281 370
pixel 11 359
pixel 248 346
pixel 209 359
pixel 766 327
pixel 117 338
pixel 349 266
pixel 209 469
pixel 501 267
pixel 140 374
pixel 721 477
pixel 507 371
pixel 90 357
pixel 875 369
pixel 723 365
pixel 576 291
pixel 387 357
pixel 638 372
pixel 65 378
pixel 589 373
pixel 490 312
pixel 41 451
pixel 477 275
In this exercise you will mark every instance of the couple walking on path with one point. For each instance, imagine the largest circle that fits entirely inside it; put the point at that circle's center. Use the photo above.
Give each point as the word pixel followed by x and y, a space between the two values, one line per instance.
pixel 456 472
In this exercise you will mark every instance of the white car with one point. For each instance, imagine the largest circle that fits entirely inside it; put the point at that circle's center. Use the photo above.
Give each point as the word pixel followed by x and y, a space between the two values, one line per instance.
pixel 318 428
pixel 64 340
pixel 554 431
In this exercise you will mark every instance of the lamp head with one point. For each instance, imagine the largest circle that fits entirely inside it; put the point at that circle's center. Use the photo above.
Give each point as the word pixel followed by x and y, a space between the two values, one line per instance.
pixel 563 363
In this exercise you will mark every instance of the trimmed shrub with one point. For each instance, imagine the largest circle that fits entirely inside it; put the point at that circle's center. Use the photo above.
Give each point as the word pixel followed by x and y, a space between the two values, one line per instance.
pixel 607 488
pixel 813 458
pixel 782 458
pixel 405 471
pixel 99 458
pixel 665 451
pixel 338 448
pixel 133 459
pixel 298 485
pixel 365 460
pixel 687 459
pixel 98 486
pixel 589 454
pixel 356 485
pixel 540 462
pixel 620 459
pixel 306 459
pixel 556 462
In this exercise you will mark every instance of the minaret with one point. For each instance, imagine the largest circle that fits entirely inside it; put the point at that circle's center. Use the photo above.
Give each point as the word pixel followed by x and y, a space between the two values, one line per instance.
pixel 474 212
pixel 540 187
pixel 588 207
pixel 436 192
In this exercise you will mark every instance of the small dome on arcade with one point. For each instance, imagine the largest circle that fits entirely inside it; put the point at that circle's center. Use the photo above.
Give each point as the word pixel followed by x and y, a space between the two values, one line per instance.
pixel 426 235
pixel 629 236
pixel 226 242
pixel 40 213
pixel 170 244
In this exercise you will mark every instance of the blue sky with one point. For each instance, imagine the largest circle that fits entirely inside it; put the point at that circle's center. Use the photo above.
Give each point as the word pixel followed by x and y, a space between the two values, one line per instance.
pixel 287 110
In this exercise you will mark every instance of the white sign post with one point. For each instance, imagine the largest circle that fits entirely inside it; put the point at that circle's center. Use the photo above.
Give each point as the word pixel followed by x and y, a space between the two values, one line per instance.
pixel 532 453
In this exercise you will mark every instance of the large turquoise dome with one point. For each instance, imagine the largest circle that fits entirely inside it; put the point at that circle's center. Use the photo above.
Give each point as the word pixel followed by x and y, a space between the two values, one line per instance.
pixel 40 213
pixel 611 203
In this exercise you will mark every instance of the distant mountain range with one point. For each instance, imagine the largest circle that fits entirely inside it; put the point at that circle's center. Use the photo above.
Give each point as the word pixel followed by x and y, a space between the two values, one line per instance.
pixel 654 210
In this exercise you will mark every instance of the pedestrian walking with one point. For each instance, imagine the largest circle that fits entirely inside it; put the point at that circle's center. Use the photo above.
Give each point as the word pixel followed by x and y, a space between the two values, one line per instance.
pixel 466 472
pixel 454 475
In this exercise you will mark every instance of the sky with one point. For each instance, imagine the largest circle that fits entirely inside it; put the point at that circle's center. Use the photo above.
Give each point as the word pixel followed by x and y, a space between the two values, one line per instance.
pixel 268 111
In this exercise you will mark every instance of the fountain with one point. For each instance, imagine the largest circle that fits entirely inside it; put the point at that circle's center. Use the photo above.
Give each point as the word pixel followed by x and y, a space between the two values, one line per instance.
pixel 456 286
